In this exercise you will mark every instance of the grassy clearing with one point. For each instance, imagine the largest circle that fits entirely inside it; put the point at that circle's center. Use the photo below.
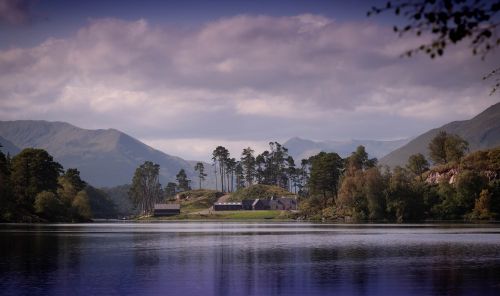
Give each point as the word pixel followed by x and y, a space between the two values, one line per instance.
pixel 249 215
pixel 227 215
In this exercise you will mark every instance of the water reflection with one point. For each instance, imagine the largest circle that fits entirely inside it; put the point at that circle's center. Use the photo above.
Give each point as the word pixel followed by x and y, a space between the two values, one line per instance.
pixel 248 259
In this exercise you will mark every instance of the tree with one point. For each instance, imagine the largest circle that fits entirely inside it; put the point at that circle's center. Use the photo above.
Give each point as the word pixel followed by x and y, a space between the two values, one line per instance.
pixel 182 181
pixel 170 189
pixel 73 177
pixel 482 206
pixel 240 177
pixel 100 202
pixel 230 167
pixel 272 166
pixel 468 186
pixel 248 165
pixel 417 164
pixel 326 169
pixel 303 177
pixel 33 171
pixel 359 160
pixel 200 168
pixel 445 147
pixel 450 22
pixel 70 184
pixel 403 203
pixel 146 188
pixel 374 189
pixel 47 205
pixel 6 198
pixel 81 206
pixel 260 163
pixel 220 155
pixel 352 198
pixel 291 172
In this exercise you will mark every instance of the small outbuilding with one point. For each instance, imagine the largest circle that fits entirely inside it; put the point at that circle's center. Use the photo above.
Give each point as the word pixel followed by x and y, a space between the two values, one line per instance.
pixel 246 204
pixel 260 204
pixel 228 206
pixel 166 210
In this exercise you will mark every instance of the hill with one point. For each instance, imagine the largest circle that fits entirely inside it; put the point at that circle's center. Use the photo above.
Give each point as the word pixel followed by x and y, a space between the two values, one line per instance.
pixel 8 147
pixel 302 148
pixel 105 157
pixel 482 132
pixel 259 191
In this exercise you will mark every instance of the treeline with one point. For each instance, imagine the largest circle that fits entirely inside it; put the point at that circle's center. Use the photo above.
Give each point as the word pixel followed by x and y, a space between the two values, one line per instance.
pixel 458 187
pixel 271 167
pixel 33 187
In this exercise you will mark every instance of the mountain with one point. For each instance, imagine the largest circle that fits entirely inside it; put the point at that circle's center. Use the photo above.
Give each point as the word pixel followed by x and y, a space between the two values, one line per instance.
pixel 8 147
pixel 302 148
pixel 482 132
pixel 103 157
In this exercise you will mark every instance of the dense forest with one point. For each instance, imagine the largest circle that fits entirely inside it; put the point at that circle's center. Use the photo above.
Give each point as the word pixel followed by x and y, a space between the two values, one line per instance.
pixel 35 188
pixel 457 187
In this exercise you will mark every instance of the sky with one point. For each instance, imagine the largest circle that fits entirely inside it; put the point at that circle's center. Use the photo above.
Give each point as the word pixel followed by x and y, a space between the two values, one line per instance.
pixel 187 76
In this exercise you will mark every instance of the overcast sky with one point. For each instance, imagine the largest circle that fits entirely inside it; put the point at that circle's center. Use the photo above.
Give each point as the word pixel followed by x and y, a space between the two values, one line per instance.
pixel 187 77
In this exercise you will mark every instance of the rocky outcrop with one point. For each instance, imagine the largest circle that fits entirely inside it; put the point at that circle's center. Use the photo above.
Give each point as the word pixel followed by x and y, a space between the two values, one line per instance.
pixel 436 177
pixel 450 176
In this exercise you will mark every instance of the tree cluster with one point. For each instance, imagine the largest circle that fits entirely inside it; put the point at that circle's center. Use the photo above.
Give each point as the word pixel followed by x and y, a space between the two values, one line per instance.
pixel 355 188
pixel 271 167
pixel 146 190
pixel 34 187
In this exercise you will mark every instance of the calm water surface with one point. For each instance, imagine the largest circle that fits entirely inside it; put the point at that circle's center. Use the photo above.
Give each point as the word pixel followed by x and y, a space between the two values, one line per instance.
pixel 249 259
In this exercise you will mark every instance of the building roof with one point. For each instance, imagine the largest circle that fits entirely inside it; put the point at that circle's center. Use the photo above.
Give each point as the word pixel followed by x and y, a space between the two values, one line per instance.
pixel 227 203
pixel 167 206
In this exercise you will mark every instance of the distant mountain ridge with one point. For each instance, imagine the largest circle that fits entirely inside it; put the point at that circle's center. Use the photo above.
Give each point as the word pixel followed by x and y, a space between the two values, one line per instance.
pixel 482 132
pixel 8 147
pixel 104 157
pixel 300 148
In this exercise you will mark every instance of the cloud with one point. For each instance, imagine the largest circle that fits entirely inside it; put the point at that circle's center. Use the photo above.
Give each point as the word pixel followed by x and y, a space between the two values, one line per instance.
pixel 201 149
pixel 15 12
pixel 242 79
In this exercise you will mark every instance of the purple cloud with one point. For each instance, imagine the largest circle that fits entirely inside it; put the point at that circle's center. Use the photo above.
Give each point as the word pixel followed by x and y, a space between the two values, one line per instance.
pixel 244 78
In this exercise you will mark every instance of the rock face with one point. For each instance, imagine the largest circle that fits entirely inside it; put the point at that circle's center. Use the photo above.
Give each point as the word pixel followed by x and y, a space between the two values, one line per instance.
pixel 450 176
pixel 105 158
pixel 482 132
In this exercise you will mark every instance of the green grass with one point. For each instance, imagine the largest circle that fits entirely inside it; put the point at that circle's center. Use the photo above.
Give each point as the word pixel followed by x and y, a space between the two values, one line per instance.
pixel 227 215
pixel 250 215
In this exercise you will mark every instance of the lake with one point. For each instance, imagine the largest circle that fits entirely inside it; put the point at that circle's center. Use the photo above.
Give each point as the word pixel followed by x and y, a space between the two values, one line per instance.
pixel 210 258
